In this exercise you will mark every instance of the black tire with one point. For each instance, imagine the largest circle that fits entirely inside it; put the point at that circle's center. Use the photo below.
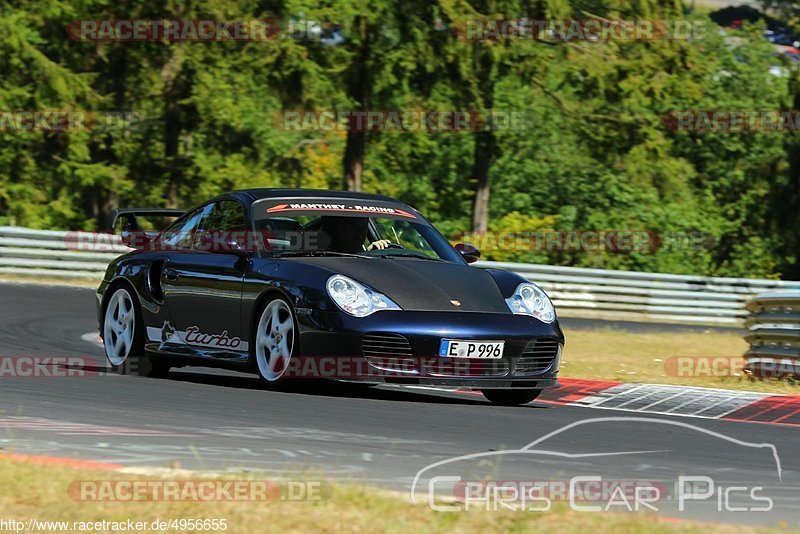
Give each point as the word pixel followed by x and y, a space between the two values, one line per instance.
pixel 271 354
pixel 510 397
pixel 132 360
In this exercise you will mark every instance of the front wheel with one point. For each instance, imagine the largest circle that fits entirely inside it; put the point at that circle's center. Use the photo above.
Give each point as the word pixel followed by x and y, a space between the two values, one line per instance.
pixel 510 397
pixel 274 341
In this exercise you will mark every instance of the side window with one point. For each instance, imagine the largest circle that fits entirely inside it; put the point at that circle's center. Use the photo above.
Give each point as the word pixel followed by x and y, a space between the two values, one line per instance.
pixel 226 216
pixel 181 233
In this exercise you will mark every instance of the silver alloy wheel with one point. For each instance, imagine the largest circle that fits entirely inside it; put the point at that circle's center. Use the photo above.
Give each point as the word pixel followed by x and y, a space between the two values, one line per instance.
pixel 274 340
pixel 119 327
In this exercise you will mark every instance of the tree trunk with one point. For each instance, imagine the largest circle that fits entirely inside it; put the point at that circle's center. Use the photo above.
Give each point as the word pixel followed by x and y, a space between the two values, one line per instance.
pixel 103 199
pixel 484 150
pixel 358 90
pixel 484 67
pixel 787 200
pixel 172 131
pixel 173 93
pixel 354 160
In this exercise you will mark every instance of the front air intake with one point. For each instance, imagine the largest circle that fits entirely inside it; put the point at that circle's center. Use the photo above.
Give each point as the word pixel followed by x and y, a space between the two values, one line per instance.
pixel 537 356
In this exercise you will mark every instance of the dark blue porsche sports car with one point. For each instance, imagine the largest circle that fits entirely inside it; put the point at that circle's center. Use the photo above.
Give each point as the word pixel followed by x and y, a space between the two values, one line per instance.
pixel 291 283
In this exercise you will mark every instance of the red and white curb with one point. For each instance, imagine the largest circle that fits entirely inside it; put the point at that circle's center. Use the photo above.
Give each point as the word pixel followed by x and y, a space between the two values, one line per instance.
pixel 704 403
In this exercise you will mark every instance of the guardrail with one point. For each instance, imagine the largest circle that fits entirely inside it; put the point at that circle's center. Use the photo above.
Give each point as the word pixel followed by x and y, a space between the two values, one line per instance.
pixel 575 291
pixel 650 296
pixel 774 334
pixel 54 254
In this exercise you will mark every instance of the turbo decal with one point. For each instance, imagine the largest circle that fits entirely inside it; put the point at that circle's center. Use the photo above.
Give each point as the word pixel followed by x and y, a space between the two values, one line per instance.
pixel 193 336
pixel 168 335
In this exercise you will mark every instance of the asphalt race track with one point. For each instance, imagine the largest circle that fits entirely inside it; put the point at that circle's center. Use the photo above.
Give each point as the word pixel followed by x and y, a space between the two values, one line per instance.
pixel 214 420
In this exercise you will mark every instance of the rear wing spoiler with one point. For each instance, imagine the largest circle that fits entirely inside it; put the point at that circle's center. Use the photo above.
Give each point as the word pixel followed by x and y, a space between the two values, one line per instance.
pixel 128 216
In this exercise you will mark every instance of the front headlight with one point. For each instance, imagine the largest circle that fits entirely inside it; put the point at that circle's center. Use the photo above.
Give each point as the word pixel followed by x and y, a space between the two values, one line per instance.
pixel 357 299
pixel 529 299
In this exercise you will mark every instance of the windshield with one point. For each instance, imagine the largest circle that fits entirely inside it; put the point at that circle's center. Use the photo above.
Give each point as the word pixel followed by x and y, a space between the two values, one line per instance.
pixel 317 229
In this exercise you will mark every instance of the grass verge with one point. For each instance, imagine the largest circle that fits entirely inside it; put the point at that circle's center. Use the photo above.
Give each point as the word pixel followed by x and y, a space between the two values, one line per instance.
pixel 704 359
pixel 35 491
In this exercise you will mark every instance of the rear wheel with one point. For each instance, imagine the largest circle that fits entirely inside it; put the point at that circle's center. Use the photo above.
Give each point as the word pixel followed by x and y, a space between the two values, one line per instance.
pixel 123 337
pixel 510 397
pixel 274 341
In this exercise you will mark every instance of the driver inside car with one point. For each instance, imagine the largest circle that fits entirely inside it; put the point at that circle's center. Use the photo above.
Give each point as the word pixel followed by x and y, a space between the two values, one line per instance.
pixel 348 234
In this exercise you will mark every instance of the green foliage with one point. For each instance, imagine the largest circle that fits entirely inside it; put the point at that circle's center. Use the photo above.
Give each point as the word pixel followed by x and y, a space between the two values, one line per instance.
pixel 597 157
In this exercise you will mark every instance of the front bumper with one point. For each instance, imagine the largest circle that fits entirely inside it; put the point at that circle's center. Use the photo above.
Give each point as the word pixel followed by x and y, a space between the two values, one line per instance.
pixel 402 347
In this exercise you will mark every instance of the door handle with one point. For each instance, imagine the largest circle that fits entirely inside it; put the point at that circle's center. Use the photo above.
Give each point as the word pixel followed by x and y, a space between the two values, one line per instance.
pixel 171 274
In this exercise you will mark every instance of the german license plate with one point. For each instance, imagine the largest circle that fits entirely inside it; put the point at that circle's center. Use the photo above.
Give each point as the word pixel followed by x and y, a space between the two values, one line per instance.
pixel 461 348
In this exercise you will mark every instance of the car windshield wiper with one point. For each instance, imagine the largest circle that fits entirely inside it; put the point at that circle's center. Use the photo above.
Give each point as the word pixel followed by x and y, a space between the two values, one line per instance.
pixel 313 254
pixel 417 255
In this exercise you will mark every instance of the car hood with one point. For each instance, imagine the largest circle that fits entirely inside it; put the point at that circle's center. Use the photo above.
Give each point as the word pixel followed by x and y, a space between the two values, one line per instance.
pixel 421 285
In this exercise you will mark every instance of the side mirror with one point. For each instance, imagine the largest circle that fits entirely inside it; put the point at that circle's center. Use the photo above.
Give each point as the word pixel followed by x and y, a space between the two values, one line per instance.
pixel 468 252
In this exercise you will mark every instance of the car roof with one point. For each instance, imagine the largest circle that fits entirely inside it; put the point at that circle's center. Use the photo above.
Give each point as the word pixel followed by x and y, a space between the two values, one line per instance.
pixel 262 193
